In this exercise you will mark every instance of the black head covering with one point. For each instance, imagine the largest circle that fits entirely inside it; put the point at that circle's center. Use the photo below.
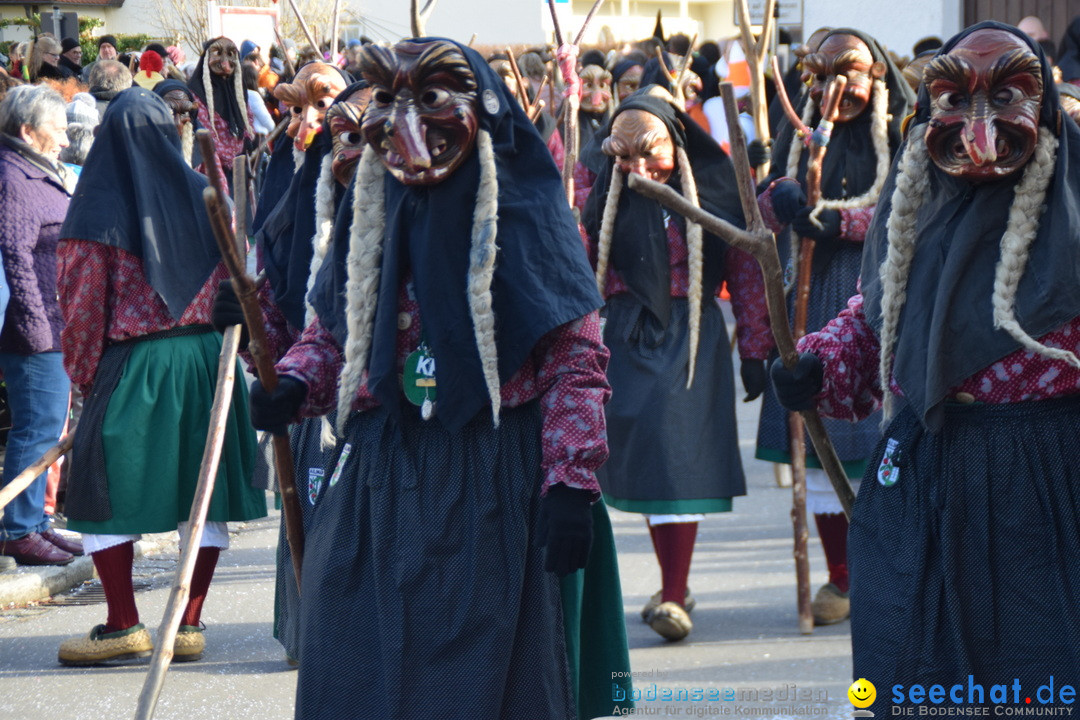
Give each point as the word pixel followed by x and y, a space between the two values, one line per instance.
pixel 946 330
pixel 154 200
pixel 284 239
pixel 167 86
pixel 542 276
pixel 1069 51
pixel 639 246
pixel 622 66
pixel 225 102
pixel 653 74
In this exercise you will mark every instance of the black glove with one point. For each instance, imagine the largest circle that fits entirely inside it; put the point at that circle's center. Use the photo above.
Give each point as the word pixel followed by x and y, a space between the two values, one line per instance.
pixel 274 411
pixel 830 224
pixel 757 152
pixel 753 378
pixel 788 199
pixel 795 389
pixel 228 312
pixel 565 528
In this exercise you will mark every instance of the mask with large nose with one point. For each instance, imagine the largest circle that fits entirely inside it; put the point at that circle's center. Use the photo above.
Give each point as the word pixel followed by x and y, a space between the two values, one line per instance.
pixel 985 98
pixel 308 97
pixel 422 119
pixel 847 55
pixel 595 89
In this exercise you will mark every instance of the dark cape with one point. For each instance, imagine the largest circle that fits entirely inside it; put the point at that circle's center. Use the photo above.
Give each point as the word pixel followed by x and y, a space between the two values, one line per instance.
pixel 946 330
pixel 542 276
pixel 639 246
pixel 1069 52
pixel 225 102
pixel 850 165
pixel 154 200
pixel 274 182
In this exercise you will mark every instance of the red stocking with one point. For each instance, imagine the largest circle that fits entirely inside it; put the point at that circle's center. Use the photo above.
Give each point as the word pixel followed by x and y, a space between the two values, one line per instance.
pixel 114 568
pixel 674 544
pixel 833 530
pixel 200 584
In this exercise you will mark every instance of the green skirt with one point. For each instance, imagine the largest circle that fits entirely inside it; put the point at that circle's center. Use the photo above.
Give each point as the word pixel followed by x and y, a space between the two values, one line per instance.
pixel 153 434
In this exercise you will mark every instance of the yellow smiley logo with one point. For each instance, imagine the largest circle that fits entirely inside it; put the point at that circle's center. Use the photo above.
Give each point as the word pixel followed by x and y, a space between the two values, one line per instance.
pixel 862 693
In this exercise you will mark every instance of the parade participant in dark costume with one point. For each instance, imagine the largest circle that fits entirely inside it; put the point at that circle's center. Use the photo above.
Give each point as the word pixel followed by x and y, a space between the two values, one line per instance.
pixel 546 125
pixel 219 89
pixel 1070 100
pixel 458 223
pixel 671 421
pixel 626 75
pixel 964 542
pixel 181 101
pixel 596 102
pixel 136 285
pixel 308 96
pixel 864 140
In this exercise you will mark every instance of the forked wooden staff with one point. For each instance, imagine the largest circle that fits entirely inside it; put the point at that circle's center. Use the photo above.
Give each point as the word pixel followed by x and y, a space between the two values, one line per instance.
pixel 204 491
pixel 303 26
pixel 26 478
pixel 533 107
pixel 247 292
pixel 759 242
pixel 418 16
pixel 677 77
pixel 755 59
pixel 573 97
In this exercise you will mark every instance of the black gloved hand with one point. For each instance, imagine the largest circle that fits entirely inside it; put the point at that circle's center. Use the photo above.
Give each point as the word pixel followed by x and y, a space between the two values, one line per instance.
pixel 227 312
pixel 752 373
pixel 274 411
pixel 565 528
pixel 757 152
pixel 795 389
pixel 788 199
pixel 830 224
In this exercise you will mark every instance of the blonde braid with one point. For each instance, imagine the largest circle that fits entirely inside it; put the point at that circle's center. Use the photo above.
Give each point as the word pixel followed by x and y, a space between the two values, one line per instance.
pixel 482 269
pixel 324 224
pixel 912 188
pixel 1023 225
pixel 695 261
pixel 208 90
pixel 607 228
pixel 364 268
pixel 187 142
pixel 241 99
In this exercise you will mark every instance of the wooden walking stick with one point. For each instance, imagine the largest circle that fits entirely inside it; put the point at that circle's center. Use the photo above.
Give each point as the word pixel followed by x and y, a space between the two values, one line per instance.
pixel 247 292
pixel 759 242
pixel 755 59
pixel 24 479
pixel 532 107
pixel 418 16
pixel 303 26
pixel 334 32
pixel 284 54
pixel 566 59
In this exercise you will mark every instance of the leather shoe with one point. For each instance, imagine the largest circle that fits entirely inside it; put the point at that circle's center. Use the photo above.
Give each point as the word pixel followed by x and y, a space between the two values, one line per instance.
pixel 65 542
pixel 33 549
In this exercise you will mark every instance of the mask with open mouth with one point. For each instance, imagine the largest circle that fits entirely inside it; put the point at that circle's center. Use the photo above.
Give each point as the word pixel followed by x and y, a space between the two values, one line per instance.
pixel 985 98
pixel 344 119
pixel 847 55
pixel 422 119
pixel 308 97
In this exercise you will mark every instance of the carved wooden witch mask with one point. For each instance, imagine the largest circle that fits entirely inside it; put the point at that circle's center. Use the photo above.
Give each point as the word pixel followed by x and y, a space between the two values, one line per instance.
pixel 222 57
pixel 344 118
pixel 985 98
pixel 846 55
pixel 641 144
pixel 422 120
pixel 595 90
pixel 308 97
pixel 181 106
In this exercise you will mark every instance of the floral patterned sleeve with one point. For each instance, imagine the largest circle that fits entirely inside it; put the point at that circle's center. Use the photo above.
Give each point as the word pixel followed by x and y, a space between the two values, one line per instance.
pixel 850 352
pixel 747 288
pixel 315 360
pixel 571 382
pixel 855 222
pixel 83 289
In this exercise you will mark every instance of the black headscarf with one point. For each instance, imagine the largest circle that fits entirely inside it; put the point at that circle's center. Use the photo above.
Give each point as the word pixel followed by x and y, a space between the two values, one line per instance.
pixel 1069 51
pixel 639 246
pixel 621 67
pixel 542 276
pixel 284 239
pixel 946 331
pixel 138 194
pixel 225 101
pixel 850 165
pixel 167 86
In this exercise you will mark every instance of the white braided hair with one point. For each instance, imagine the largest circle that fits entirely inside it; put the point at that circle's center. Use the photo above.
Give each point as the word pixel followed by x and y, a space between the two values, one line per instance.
pixel 364 266
pixel 241 99
pixel 187 142
pixel 208 91
pixel 324 225
pixel 912 187
pixel 364 269
pixel 607 227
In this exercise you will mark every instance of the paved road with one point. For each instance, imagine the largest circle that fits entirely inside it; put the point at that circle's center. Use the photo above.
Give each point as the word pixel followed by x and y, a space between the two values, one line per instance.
pixel 745 644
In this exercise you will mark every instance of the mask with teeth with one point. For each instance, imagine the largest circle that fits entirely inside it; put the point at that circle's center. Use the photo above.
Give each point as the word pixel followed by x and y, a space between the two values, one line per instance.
pixel 308 97
pixel 595 90
pixel 422 118
pixel 343 117
pixel 985 98
pixel 846 55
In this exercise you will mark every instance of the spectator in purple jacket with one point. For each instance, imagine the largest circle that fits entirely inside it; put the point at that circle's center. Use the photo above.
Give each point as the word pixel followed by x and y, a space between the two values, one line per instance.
pixel 34 195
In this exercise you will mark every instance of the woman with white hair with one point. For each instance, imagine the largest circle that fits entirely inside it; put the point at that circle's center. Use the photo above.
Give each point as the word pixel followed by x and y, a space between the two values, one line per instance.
pixel 45 60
